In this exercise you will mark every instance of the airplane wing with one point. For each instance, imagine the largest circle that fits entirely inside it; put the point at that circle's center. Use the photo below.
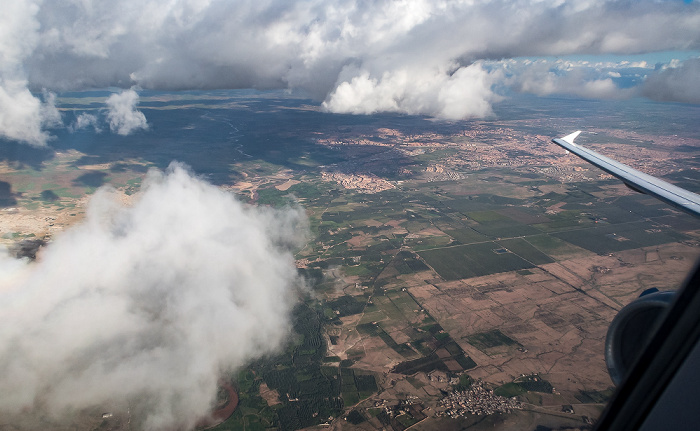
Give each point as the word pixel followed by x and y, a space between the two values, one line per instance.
pixel 636 180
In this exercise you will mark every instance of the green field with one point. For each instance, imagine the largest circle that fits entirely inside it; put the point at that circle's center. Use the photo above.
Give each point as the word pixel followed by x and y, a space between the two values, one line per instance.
pixel 473 260
pixel 509 390
pixel 466 236
pixel 555 247
pixel 564 220
pixel 403 302
pixel 507 230
pixel 526 250
pixel 427 243
pixel 610 238
pixel 488 217
pixel 356 385
pixel 486 340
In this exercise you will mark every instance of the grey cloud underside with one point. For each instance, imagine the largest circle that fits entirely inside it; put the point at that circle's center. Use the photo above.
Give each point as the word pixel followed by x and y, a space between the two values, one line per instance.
pixel 357 56
pixel 153 302
pixel 243 44
pixel 680 84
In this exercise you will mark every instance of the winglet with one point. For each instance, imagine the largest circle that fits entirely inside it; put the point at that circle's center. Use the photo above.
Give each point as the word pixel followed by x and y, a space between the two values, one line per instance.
pixel 570 138
pixel 672 195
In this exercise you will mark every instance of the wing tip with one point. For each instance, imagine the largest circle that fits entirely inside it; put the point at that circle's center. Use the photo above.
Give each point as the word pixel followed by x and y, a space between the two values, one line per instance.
pixel 570 138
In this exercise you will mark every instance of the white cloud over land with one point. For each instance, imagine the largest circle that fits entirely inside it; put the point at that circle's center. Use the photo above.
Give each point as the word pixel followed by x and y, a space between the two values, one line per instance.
pixel 85 120
pixel 464 93
pixel 153 301
pixel 21 115
pixel 122 115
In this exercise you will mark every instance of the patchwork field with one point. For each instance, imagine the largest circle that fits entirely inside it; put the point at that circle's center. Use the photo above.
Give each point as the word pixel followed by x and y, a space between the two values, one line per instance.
pixel 441 257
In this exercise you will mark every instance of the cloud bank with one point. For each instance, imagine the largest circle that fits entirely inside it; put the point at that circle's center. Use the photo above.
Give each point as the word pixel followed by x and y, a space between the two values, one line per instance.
pixel 411 56
pixel 678 84
pixel 601 80
pixel 153 301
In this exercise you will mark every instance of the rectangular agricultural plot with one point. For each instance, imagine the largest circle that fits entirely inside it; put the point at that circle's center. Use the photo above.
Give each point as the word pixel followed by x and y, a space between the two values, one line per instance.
pixel 425 364
pixel 376 330
pixel 613 214
pixel 642 205
pixel 563 221
pixel 488 217
pixel 340 216
pixel 356 385
pixel 487 340
pixel 610 238
pixel 555 247
pixel 404 302
pixel 473 260
pixel 506 230
pixel 596 241
pixel 526 250
pixel 388 308
pixel 466 236
pixel 428 242
pixel 495 225
pixel 681 222
pixel 467 205
pixel 449 264
pixel 647 234
pixel 524 216
pixel 406 262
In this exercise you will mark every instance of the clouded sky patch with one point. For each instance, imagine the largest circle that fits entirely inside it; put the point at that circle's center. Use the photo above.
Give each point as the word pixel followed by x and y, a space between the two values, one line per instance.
pixel 680 83
pixel 398 52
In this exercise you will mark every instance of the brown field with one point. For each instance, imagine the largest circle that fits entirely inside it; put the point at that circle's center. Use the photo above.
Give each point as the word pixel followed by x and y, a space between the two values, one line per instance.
pixel 559 314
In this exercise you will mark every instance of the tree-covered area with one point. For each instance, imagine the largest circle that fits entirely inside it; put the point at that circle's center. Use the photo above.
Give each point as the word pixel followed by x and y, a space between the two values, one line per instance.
pixel 309 392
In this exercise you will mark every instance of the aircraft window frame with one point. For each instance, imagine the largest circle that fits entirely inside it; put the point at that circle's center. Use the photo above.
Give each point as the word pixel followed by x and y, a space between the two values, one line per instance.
pixel 666 351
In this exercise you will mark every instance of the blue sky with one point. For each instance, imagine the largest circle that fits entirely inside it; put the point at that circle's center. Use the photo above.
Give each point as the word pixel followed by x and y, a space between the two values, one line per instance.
pixel 663 57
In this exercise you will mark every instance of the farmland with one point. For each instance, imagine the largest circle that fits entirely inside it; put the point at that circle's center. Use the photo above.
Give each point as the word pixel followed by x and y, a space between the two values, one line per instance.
pixel 486 254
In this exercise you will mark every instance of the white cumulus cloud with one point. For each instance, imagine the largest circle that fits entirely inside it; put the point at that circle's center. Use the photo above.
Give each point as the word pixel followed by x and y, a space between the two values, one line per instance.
pixel 122 115
pixel 20 114
pixel 85 120
pixel 149 302
pixel 464 93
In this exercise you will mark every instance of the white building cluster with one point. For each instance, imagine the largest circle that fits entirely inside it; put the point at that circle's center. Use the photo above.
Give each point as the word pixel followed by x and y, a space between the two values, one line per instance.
pixel 478 400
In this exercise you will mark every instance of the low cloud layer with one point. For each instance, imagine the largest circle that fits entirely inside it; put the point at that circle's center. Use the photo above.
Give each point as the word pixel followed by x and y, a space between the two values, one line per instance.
pixel 678 84
pixel 153 301
pixel 410 56
pixel 602 80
